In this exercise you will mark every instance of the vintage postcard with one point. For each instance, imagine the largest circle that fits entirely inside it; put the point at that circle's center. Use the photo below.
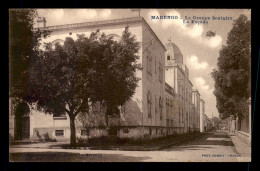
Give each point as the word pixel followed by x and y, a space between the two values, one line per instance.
pixel 130 85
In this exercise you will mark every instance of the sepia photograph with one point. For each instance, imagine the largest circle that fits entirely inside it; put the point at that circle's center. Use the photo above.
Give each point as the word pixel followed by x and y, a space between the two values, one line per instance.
pixel 130 85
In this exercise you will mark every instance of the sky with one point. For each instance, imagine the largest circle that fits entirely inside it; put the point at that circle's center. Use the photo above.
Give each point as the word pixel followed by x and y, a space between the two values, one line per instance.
pixel 200 52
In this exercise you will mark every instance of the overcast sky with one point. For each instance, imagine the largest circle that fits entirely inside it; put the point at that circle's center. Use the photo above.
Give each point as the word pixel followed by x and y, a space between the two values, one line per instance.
pixel 200 52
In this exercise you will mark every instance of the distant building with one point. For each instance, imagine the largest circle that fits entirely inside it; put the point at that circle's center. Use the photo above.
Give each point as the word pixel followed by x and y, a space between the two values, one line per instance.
pixel 207 123
pixel 196 102
pixel 202 113
pixel 177 76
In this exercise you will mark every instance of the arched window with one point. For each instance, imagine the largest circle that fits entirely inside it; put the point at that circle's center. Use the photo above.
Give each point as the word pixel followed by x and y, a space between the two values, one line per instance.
pixel 60 41
pixel 149 63
pixel 149 104
pixel 114 37
pixel 161 107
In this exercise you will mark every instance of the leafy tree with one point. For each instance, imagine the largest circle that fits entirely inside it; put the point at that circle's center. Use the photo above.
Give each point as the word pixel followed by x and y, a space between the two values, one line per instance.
pixel 59 80
pixel 115 65
pixel 232 75
pixel 23 50
pixel 95 69
pixel 216 120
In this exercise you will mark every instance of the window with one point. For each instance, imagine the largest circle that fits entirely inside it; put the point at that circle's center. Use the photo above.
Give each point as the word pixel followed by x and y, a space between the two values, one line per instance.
pixel 155 107
pixel 59 41
pixel 155 66
pixel 59 133
pixel 61 115
pixel 179 115
pixel 84 132
pixel 112 131
pixel 150 131
pixel 114 37
pixel 168 57
pixel 160 72
pixel 125 130
pixel 167 107
pixel 182 114
pixel 149 64
pixel 149 104
pixel 161 107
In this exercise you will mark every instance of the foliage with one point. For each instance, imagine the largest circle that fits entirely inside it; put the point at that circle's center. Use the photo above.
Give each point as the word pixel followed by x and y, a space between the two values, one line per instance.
pixel 232 75
pixel 216 120
pixel 24 48
pixel 95 69
pixel 115 67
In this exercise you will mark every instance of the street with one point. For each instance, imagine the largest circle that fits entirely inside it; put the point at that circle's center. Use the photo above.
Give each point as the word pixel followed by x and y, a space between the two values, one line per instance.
pixel 210 147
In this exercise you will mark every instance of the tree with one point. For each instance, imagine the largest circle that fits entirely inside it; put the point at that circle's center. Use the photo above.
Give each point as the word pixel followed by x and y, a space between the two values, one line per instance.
pixel 216 120
pixel 23 48
pixel 59 80
pixel 232 75
pixel 95 69
pixel 115 66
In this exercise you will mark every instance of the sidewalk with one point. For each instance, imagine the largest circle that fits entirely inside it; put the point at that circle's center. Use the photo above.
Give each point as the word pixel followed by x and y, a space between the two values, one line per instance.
pixel 152 145
pixel 242 148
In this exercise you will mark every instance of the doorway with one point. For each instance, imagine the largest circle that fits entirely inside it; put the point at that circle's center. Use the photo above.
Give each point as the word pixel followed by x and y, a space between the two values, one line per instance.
pixel 22 122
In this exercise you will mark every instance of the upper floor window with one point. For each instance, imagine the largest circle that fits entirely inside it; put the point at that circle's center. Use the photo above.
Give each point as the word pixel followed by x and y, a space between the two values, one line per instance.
pixel 149 64
pixel 168 57
pixel 149 104
pixel 161 107
pixel 155 107
pixel 155 70
pixel 59 115
pixel 114 37
pixel 179 115
pixel 167 107
pixel 160 72
pixel 57 41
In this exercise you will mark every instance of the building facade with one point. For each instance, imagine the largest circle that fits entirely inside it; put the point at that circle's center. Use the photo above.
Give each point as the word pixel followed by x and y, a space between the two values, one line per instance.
pixel 196 102
pixel 162 104
pixel 177 76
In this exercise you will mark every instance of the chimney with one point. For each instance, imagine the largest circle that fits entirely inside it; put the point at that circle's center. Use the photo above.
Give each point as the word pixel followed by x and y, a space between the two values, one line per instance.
pixel 41 22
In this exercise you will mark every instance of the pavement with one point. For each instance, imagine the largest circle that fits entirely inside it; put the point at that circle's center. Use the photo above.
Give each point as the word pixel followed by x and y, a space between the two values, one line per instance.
pixel 241 147
pixel 209 147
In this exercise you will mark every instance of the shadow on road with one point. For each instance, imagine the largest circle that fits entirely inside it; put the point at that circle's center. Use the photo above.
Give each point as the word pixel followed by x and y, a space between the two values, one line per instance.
pixel 72 157
pixel 215 138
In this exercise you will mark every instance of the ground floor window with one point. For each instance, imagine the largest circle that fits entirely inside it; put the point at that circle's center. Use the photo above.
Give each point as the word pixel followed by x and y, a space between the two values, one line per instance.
pixel 59 133
pixel 112 131
pixel 150 131
pixel 125 130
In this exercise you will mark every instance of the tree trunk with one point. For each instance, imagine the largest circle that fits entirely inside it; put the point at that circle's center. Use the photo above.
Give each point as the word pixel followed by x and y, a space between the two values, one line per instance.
pixel 72 131
pixel 106 117
pixel 108 112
